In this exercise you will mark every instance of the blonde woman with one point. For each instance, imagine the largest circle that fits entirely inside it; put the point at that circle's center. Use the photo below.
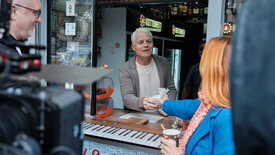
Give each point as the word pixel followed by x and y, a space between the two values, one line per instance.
pixel 210 129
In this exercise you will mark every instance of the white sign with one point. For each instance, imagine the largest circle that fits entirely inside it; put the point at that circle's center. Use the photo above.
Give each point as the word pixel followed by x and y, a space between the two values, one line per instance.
pixel 70 8
pixel 70 29
pixel 69 86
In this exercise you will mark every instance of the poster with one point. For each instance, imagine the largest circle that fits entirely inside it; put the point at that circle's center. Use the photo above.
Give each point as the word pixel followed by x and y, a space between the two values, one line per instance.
pixel 70 8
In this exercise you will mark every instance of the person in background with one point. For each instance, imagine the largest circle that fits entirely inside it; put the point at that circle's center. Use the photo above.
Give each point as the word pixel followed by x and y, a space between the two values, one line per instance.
pixel 252 75
pixel 210 129
pixel 193 80
pixel 141 76
pixel 25 14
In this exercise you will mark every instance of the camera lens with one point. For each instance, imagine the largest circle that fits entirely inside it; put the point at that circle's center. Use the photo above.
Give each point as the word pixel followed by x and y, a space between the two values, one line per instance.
pixel 9 150
pixel 15 118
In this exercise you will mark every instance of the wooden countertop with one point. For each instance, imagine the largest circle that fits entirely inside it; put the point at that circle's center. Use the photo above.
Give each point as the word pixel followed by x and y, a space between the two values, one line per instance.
pixel 114 121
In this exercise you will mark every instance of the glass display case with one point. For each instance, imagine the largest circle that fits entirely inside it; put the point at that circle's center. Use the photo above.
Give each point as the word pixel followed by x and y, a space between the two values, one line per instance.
pixel 71 32
pixel 70 39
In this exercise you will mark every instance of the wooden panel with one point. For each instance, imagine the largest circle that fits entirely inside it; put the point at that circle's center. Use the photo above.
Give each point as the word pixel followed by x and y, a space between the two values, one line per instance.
pixel 135 2
pixel 139 121
pixel 114 121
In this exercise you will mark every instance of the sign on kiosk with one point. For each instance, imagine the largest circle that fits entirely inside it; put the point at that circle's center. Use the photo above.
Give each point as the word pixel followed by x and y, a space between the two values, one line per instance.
pixel 178 32
pixel 150 24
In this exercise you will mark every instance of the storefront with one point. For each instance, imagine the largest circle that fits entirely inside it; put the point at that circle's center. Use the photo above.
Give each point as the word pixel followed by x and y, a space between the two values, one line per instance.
pixel 89 34
pixel 82 47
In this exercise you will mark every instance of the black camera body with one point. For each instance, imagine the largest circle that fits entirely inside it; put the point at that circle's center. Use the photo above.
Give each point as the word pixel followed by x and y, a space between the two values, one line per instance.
pixel 53 117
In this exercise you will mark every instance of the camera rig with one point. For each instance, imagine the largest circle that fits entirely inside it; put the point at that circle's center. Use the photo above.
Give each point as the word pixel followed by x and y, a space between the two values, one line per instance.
pixel 40 120
pixel 35 120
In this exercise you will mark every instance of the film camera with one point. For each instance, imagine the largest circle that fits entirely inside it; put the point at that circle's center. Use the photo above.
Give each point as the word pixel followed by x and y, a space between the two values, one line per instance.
pixel 35 120
pixel 39 120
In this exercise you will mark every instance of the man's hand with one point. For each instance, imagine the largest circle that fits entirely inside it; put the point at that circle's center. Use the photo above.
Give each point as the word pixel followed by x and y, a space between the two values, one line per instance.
pixel 158 101
pixel 148 105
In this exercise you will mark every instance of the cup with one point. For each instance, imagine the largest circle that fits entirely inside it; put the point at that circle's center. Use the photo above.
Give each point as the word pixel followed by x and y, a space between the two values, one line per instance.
pixel 172 135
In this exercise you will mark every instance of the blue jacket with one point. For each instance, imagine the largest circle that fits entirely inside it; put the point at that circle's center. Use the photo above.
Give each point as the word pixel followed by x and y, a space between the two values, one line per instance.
pixel 214 136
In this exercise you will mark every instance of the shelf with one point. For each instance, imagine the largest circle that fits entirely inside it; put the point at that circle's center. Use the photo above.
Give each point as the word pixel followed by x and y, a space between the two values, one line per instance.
pixel 189 19
pixel 136 2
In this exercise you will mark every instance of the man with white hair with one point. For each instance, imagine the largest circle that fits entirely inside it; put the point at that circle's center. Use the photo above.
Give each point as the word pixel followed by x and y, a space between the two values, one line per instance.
pixel 141 76
pixel 25 14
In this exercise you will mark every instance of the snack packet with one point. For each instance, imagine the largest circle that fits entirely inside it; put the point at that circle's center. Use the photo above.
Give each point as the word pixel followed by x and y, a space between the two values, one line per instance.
pixel 162 93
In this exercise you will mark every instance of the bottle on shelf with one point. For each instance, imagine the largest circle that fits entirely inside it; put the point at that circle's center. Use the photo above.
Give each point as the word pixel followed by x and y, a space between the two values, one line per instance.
pixel 164 13
pixel 175 9
pixel 158 13
pixel 185 9
pixel 190 9
pixel 229 16
pixel 180 9
pixel 201 9
pixel 229 4
pixel 169 11
pixel 205 11
pixel 196 9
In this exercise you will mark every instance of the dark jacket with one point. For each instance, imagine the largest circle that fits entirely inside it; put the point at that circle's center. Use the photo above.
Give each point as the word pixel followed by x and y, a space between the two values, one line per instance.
pixel 7 49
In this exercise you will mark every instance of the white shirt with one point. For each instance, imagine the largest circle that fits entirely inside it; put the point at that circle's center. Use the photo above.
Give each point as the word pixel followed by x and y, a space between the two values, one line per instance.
pixel 148 79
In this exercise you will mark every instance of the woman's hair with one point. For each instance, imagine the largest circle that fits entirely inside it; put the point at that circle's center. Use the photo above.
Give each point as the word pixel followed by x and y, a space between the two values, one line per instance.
pixel 214 70
pixel 141 29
